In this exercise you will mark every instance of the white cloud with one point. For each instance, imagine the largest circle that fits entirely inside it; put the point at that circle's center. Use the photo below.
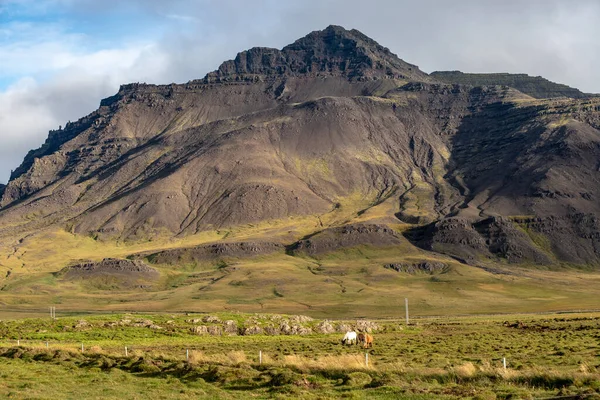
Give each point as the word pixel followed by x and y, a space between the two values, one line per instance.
pixel 31 107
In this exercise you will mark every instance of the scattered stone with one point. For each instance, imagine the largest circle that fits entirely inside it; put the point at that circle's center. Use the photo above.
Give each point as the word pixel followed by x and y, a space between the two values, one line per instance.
pixel 285 328
pixel 200 330
pixel 325 327
pixel 215 330
pixel 300 330
pixel 230 327
pixel 300 319
pixel 272 330
pixel 211 319
pixel 253 330
pixel 343 328
pixel 363 325
pixel 143 323
pixel 82 324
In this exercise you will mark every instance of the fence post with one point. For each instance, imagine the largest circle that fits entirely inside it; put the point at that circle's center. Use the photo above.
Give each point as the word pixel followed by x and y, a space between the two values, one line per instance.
pixel 504 362
pixel 82 347
pixel 125 351
pixel 18 342
pixel 46 344
pixel 367 359
pixel 187 355
pixel 406 307
pixel 260 357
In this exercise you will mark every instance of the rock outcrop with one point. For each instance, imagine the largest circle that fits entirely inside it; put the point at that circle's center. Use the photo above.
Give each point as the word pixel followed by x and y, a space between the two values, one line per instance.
pixel 472 242
pixel 535 86
pixel 332 51
pixel 111 273
pixel 347 236
pixel 109 266
pixel 428 267
pixel 213 251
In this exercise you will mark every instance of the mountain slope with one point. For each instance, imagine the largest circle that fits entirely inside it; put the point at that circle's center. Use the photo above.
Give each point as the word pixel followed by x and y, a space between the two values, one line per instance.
pixel 334 128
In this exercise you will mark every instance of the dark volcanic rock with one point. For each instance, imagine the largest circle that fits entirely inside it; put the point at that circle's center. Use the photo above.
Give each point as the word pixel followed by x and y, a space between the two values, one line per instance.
pixel 574 238
pixel 345 237
pixel 429 267
pixel 334 51
pixel 109 267
pixel 535 86
pixel 470 242
pixel 452 236
pixel 506 240
pixel 212 252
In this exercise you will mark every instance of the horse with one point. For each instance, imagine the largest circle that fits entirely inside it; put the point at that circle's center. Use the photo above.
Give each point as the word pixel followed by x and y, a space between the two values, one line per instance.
pixel 365 339
pixel 368 341
pixel 349 338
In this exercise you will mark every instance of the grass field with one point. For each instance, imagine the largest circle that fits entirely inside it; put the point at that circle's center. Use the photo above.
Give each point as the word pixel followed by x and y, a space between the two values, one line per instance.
pixel 346 283
pixel 547 356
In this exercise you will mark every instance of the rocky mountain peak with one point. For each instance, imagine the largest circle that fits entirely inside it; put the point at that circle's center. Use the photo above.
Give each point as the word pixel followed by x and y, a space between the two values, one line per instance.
pixel 332 51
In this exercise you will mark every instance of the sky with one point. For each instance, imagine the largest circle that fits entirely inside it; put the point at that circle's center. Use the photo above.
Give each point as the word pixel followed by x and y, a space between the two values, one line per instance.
pixel 59 58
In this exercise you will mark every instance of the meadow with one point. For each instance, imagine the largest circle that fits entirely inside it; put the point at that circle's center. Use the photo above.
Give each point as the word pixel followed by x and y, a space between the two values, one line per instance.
pixel 169 356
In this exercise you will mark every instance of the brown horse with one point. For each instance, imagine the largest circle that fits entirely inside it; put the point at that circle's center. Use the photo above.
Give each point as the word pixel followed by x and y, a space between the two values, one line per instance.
pixel 365 339
pixel 360 338
pixel 368 340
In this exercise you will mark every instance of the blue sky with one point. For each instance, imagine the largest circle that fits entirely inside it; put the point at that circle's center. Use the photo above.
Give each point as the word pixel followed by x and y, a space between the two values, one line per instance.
pixel 58 58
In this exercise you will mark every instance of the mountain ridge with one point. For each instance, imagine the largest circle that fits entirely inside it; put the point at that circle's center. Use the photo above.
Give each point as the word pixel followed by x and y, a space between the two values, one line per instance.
pixel 334 51
pixel 535 86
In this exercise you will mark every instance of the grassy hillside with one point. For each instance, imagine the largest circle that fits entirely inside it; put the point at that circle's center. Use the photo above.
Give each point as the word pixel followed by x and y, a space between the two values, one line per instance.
pixel 348 282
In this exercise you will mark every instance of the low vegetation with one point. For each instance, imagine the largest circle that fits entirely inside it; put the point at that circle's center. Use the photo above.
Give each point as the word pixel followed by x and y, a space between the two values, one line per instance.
pixel 168 357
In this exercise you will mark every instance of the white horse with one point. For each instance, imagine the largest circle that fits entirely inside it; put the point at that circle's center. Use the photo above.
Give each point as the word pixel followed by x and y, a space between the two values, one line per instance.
pixel 349 338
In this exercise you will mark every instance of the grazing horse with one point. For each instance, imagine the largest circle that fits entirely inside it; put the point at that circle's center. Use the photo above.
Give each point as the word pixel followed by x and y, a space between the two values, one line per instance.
pixel 365 339
pixel 349 338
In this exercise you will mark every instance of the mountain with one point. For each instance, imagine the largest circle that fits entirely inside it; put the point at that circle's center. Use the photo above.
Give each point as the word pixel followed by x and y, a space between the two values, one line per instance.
pixel 321 151
pixel 534 86
pixel 334 51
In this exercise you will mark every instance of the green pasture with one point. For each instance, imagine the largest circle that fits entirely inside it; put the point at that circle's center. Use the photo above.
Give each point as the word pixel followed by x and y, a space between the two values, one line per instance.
pixel 460 357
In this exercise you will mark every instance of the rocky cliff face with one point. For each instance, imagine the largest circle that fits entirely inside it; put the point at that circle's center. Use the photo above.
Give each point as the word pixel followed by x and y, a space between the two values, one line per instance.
pixel 332 120
pixel 331 52
pixel 534 86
